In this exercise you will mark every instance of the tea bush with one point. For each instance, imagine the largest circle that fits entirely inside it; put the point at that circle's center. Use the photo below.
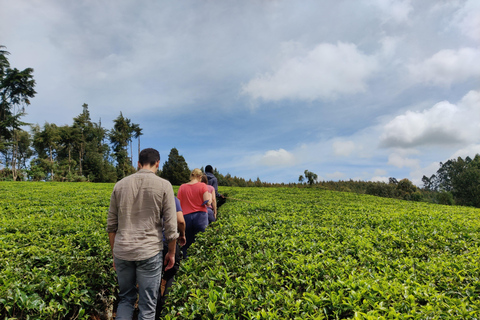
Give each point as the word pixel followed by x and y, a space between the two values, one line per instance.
pixel 314 254
pixel 55 260
pixel 278 253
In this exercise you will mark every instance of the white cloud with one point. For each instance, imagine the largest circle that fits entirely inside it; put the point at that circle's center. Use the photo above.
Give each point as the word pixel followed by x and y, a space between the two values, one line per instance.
pixel 468 19
pixel 396 10
pixel 447 67
pixel 325 72
pixel 380 179
pixel 280 157
pixel 401 161
pixel 443 124
pixel 343 148
pixel 337 175
pixel 380 172
pixel 468 151
pixel 389 46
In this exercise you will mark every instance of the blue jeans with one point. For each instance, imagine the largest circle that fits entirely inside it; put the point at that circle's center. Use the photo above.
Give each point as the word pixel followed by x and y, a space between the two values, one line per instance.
pixel 147 274
pixel 211 215
pixel 194 223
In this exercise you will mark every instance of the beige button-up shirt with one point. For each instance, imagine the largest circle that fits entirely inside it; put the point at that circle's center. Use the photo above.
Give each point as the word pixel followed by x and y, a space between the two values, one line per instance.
pixel 141 206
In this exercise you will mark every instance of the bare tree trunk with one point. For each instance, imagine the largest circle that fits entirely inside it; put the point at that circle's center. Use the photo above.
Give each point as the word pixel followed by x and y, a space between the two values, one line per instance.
pixel 69 158
pixel 80 154
pixel 51 161
pixel 14 156
pixel 131 153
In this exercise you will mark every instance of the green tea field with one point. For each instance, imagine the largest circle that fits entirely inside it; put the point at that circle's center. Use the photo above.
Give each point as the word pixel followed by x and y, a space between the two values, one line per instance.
pixel 274 253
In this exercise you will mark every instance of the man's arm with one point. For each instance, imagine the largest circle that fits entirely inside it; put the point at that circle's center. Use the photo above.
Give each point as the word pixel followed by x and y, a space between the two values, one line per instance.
pixel 170 256
pixel 111 238
pixel 112 223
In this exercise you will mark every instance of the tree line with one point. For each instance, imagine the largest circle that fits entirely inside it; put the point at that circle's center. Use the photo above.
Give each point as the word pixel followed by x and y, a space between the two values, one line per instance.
pixel 82 151
pixel 456 182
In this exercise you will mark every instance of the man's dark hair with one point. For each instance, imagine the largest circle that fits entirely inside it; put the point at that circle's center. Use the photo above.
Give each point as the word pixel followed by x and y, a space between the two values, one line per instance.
pixel 148 156
pixel 209 169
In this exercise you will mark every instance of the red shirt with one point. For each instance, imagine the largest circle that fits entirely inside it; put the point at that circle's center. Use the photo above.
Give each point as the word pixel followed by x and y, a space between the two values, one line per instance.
pixel 191 197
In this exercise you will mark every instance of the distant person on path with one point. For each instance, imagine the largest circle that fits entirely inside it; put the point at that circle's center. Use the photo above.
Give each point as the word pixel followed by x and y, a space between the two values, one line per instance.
pixel 167 278
pixel 194 198
pixel 211 209
pixel 212 180
pixel 142 207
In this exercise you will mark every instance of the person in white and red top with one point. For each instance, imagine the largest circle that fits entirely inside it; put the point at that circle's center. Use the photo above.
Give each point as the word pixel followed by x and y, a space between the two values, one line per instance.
pixel 194 198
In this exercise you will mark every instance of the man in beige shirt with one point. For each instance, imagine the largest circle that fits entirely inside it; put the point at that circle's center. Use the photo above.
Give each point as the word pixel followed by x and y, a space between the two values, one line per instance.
pixel 142 207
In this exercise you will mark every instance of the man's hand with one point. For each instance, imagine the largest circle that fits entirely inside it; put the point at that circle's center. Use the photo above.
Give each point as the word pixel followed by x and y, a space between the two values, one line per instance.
pixel 182 240
pixel 169 260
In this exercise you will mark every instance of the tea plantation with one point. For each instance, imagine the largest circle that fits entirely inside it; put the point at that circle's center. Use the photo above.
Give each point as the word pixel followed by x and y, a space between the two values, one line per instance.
pixel 275 253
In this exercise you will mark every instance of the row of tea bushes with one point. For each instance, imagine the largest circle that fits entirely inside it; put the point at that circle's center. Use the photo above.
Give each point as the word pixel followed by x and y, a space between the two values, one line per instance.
pixel 286 253
pixel 279 253
pixel 55 260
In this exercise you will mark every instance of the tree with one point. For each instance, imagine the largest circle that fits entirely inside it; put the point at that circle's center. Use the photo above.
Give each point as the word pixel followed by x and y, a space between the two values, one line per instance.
pixel 120 136
pixel 300 179
pixel 67 141
pixel 311 177
pixel 175 169
pixel 45 142
pixel 392 180
pixel 93 154
pixel 460 178
pixel 16 89
pixel 136 133
pixel 24 149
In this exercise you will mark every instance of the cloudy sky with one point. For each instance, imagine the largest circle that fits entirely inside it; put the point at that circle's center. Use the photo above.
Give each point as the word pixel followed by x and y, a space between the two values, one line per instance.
pixel 348 89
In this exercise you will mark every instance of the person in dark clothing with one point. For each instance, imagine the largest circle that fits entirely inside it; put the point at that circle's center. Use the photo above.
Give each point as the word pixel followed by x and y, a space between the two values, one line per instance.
pixel 168 275
pixel 212 180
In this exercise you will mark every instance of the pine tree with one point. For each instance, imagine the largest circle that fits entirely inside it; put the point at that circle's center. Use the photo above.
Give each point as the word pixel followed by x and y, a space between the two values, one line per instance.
pixel 175 169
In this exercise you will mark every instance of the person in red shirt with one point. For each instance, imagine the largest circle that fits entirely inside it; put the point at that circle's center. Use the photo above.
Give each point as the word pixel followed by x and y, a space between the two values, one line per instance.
pixel 194 199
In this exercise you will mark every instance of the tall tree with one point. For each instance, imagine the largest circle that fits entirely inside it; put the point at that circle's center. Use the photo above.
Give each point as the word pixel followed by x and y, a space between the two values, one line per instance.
pixel 459 177
pixel 93 155
pixel 136 133
pixel 311 177
pixel 175 169
pixel 25 151
pixel 80 128
pixel 67 142
pixel 16 90
pixel 120 136
pixel 45 142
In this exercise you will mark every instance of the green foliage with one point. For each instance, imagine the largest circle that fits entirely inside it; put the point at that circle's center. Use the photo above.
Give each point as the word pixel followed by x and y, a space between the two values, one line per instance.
pixel 311 177
pixel 72 153
pixel 55 261
pixel 459 176
pixel 120 136
pixel 381 189
pixel 444 197
pixel 307 253
pixel 16 89
pixel 283 253
pixel 175 169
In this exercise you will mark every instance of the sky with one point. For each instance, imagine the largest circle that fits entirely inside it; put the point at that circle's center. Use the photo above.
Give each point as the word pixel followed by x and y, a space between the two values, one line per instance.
pixel 348 89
